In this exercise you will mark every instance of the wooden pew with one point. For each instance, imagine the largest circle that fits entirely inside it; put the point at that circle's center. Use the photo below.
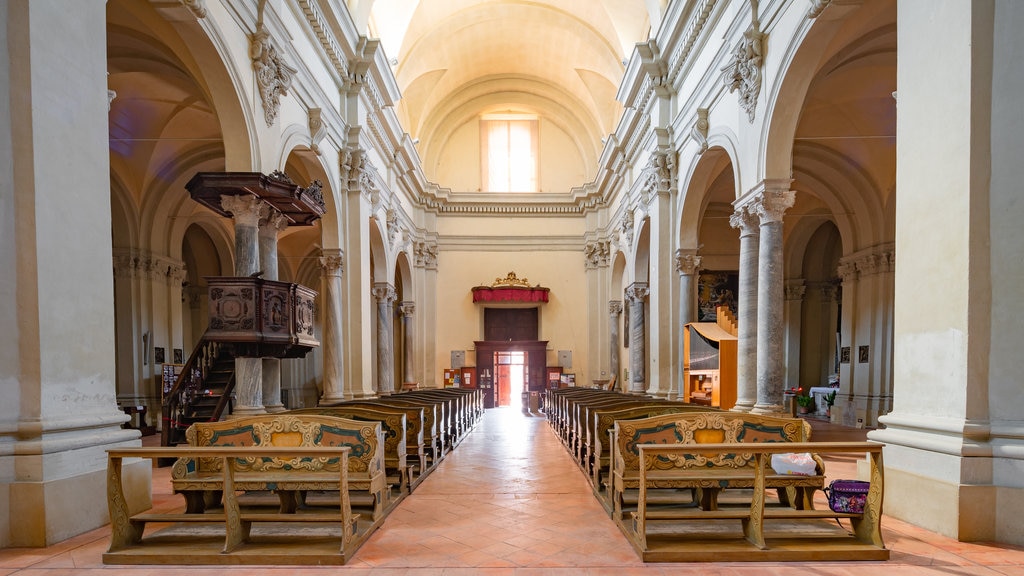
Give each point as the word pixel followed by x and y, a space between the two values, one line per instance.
pixel 192 477
pixel 393 425
pixel 293 468
pixel 768 531
pixel 597 454
pixel 710 427
pixel 418 434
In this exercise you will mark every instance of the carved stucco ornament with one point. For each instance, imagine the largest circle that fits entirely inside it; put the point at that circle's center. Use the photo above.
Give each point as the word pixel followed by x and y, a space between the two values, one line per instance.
pixel 699 132
pixel 317 130
pixel 273 76
pixel 743 73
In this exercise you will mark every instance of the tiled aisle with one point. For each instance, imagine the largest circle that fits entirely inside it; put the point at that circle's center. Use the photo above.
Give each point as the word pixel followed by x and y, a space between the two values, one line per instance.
pixel 510 501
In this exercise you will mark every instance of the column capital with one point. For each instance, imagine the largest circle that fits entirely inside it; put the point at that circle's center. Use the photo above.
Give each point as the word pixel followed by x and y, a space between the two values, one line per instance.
pixel 407 308
pixel 744 221
pixel 332 261
pixel 687 262
pixel 243 208
pixel 384 292
pixel 272 221
pixel 615 307
pixel 597 254
pixel 769 204
pixel 425 254
pixel 638 291
pixel 795 289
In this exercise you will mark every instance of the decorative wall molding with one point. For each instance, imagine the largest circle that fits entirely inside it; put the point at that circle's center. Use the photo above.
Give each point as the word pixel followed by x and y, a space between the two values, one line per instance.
pixel 196 7
pixel 694 27
pixel 880 259
pixel 328 41
pixel 816 8
pixel 146 265
pixel 659 174
pixel 273 76
pixel 425 254
pixel 597 254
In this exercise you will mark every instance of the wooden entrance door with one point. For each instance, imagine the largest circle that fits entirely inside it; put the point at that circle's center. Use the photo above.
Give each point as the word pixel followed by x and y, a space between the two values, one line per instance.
pixel 504 373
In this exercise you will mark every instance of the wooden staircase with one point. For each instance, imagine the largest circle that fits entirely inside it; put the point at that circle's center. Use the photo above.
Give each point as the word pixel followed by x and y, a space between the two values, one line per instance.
pixel 202 393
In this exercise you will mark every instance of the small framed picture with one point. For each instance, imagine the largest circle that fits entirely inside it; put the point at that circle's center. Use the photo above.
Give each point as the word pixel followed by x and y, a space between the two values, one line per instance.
pixel 862 354
pixel 844 355
pixel 158 355
pixel 177 356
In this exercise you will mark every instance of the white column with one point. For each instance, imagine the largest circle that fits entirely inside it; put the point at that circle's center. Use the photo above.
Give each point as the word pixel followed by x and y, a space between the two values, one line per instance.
pixel 271 223
pixel 614 317
pixel 746 313
pixel 407 310
pixel 954 441
pixel 332 261
pixel 688 266
pixel 637 293
pixel 769 204
pixel 248 371
pixel 57 348
pixel 384 294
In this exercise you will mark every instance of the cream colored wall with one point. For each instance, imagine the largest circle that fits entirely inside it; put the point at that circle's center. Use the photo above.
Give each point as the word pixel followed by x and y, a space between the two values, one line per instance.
pixel 561 166
pixel 469 257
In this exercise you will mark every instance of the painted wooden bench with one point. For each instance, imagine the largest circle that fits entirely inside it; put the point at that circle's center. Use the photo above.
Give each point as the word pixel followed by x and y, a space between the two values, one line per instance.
pixel 705 427
pixel 597 454
pixel 193 477
pixel 768 531
pixel 393 425
pixel 293 468
pixel 417 434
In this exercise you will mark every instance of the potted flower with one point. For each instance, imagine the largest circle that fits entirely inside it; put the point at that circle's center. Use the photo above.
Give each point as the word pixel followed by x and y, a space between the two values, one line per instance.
pixel 830 399
pixel 804 404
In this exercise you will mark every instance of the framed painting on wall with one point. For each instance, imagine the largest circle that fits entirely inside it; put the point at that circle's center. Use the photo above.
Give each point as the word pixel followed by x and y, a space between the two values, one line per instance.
pixel 716 289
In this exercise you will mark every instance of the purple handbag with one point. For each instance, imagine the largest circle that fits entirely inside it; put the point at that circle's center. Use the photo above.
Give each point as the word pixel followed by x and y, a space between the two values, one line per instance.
pixel 847 496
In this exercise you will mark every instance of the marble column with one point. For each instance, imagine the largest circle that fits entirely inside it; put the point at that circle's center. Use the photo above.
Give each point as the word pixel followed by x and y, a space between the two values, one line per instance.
pixel 614 315
pixel 271 223
pixel 795 291
pixel 769 205
pixel 407 309
pixel 688 266
pixel 332 262
pixel 248 371
pixel 637 294
pixel 746 313
pixel 385 295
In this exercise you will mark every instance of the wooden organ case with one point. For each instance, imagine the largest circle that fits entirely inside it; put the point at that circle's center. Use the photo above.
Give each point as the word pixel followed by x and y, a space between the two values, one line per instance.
pixel 709 361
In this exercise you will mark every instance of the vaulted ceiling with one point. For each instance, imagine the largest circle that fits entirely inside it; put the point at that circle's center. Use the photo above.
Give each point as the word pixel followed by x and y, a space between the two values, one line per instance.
pixel 560 59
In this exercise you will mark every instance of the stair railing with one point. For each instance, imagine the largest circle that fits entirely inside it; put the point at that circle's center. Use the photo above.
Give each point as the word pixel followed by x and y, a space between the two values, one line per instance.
pixel 189 384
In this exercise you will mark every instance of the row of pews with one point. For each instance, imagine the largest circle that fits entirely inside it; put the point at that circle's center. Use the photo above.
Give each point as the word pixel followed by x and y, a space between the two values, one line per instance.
pixel 304 486
pixel 672 477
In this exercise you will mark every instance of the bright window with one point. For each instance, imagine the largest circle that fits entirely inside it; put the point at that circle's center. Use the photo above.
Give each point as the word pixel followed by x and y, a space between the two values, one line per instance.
pixel 509 152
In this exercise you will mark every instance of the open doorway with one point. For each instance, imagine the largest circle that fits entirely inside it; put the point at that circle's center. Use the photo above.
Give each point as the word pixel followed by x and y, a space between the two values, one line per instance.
pixel 510 377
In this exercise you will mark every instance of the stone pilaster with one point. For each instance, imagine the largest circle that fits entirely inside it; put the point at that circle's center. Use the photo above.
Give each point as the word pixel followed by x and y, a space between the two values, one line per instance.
pixel 384 294
pixel 688 266
pixel 769 204
pixel 332 263
pixel 636 294
pixel 746 313
pixel 795 290
pixel 614 314
pixel 246 212
pixel 407 310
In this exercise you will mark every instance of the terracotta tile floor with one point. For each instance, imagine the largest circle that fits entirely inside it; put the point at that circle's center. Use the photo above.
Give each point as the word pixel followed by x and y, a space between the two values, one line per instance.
pixel 510 501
